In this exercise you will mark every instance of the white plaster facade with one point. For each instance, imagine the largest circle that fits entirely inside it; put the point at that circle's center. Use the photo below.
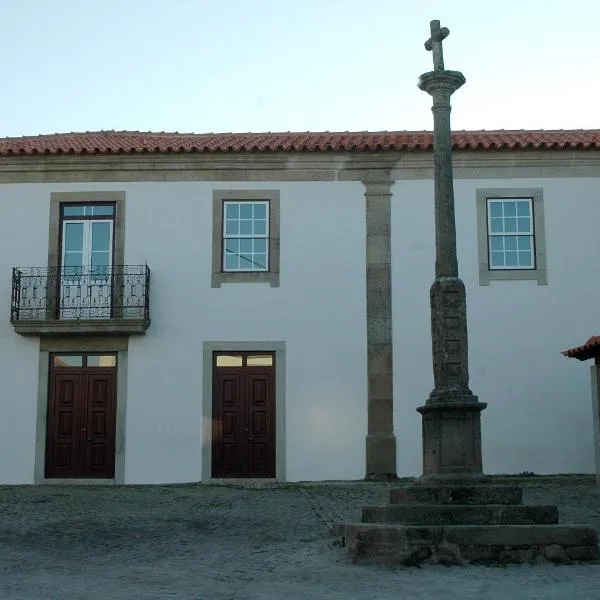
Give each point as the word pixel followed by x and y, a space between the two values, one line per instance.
pixel 539 415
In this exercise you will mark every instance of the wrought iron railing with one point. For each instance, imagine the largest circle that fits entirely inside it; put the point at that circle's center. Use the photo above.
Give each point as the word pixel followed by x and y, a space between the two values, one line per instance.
pixel 116 292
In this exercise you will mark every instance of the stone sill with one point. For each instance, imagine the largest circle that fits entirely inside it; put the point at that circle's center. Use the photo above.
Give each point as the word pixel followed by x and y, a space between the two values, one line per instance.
pixel 45 327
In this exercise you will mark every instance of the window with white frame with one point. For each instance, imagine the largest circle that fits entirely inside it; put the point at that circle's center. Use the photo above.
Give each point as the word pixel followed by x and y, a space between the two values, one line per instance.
pixel 511 236
pixel 245 235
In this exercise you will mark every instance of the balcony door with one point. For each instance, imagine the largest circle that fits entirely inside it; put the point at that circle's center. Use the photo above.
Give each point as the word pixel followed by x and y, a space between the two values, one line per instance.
pixel 86 261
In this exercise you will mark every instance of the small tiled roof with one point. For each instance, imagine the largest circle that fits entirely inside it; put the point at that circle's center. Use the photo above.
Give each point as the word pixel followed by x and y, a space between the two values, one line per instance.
pixel 130 142
pixel 589 350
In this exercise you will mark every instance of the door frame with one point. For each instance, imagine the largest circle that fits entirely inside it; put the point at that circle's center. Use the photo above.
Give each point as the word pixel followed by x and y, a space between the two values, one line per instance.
pixel 51 346
pixel 207 402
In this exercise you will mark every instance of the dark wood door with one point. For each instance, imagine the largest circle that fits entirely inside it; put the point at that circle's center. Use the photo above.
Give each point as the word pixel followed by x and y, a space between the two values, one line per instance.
pixel 81 422
pixel 243 435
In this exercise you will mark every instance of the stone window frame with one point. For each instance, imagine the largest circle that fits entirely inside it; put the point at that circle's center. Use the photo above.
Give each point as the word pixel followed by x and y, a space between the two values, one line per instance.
pixel 539 273
pixel 219 276
pixel 58 199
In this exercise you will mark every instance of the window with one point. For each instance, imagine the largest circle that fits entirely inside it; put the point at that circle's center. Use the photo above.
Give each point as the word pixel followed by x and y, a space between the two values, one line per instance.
pixel 245 237
pixel 511 236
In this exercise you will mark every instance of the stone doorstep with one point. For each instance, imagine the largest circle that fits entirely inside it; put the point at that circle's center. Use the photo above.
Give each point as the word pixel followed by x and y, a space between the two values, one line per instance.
pixel 456 514
pixel 461 544
pixel 454 494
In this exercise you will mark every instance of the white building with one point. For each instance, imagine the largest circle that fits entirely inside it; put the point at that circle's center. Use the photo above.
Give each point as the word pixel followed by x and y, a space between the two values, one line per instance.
pixel 287 317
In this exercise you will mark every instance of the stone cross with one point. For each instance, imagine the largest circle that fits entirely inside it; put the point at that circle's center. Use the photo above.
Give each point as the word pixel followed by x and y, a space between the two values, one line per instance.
pixel 434 44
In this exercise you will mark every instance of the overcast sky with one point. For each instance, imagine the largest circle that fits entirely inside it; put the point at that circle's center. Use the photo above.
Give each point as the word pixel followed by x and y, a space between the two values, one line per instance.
pixel 281 65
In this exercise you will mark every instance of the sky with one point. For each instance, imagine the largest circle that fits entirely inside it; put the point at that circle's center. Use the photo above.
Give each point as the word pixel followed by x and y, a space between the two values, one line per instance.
pixel 293 65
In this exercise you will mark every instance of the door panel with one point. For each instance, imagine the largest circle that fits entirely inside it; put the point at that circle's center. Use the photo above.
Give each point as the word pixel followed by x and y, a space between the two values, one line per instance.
pixel 243 425
pixel 81 422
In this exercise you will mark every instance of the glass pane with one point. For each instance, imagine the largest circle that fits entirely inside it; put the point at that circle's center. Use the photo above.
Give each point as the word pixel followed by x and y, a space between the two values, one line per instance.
pixel 232 245
pixel 246 227
pixel 246 210
pixel 524 224
pixel 100 259
pixel 96 360
pixel 510 225
pixel 260 227
pixel 260 261
pixel 510 209
pixel 497 259
pixel 523 209
pixel 103 210
pixel 232 210
pixel 495 209
pixel 68 361
pixel 73 233
pixel 524 242
pixel 232 227
pixel 73 259
pixel 525 259
pixel 260 360
pixel 496 225
pixel 73 210
pixel 101 236
pixel 246 263
pixel 260 211
pixel 510 242
pixel 260 245
pixel 229 360
pixel 246 246
pixel 510 259
pixel 232 262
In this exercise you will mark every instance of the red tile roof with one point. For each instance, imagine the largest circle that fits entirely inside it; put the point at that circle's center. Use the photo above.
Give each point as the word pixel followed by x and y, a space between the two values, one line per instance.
pixel 129 142
pixel 589 350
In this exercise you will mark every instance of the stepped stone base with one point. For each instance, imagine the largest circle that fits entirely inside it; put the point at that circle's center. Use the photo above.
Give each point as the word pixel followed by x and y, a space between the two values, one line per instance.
pixel 457 525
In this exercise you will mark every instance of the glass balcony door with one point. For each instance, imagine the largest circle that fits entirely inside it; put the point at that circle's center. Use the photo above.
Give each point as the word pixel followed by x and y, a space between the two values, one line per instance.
pixel 85 277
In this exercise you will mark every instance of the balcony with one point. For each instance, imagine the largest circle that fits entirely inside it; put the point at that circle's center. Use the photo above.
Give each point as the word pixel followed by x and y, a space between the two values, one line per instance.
pixel 81 301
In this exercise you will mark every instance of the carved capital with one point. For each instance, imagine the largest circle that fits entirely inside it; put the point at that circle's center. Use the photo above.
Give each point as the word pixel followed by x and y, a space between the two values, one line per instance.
pixel 441 84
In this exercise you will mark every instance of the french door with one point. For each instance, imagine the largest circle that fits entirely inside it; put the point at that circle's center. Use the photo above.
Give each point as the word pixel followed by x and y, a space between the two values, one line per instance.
pixel 85 279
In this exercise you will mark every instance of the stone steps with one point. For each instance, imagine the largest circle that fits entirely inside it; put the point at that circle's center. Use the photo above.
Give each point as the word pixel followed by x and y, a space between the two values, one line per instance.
pixel 462 544
pixel 461 514
pixel 456 494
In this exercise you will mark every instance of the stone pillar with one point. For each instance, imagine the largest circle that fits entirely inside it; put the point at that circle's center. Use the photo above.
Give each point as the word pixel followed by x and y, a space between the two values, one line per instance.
pixel 380 442
pixel 595 373
pixel 451 414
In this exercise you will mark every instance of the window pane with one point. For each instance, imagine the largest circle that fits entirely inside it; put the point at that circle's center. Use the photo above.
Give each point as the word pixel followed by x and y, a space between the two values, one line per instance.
pixel 95 360
pixel 232 262
pixel 246 263
pixel 229 360
pixel 246 227
pixel 496 225
pixel 260 361
pixel 103 210
pixel 73 210
pixel 524 242
pixel 232 245
pixel 510 209
pixel 260 211
pixel 232 227
pixel 73 259
pixel 260 227
pixel 524 224
pixel 497 259
pixel 523 208
pixel 68 361
pixel 495 209
pixel 510 242
pixel 260 245
pixel 232 210
pixel 100 264
pixel 525 259
pixel 246 246
pixel 260 261
pixel 73 236
pixel 246 210
pixel 101 236
pixel 510 259
pixel 510 225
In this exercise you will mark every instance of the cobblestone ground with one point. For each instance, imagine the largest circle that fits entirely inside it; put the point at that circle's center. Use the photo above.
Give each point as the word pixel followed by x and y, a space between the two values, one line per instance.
pixel 246 542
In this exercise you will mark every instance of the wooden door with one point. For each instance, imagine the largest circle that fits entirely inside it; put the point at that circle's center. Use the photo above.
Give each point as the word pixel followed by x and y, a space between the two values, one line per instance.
pixel 81 417
pixel 243 433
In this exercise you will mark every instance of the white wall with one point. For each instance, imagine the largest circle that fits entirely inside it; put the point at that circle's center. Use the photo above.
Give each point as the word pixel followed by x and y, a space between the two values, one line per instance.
pixel 539 415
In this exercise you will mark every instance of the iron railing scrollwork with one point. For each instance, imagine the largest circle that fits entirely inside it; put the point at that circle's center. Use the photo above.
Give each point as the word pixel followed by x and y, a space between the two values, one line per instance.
pixel 80 293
